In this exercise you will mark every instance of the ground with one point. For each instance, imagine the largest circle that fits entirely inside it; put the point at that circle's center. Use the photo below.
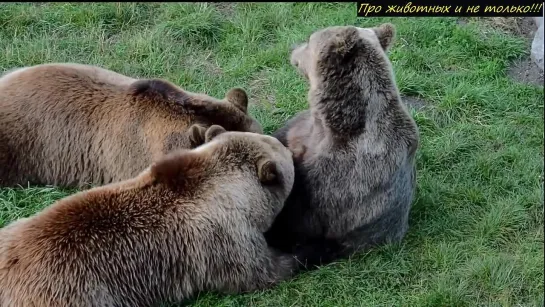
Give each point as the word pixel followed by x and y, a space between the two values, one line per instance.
pixel 522 70
pixel 476 228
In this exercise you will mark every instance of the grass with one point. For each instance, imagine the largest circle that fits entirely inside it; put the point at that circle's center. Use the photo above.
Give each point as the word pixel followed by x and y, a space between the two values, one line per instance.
pixel 476 228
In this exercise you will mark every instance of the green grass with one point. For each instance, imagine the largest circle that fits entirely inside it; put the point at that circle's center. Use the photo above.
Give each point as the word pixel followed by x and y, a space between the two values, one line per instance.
pixel 476 228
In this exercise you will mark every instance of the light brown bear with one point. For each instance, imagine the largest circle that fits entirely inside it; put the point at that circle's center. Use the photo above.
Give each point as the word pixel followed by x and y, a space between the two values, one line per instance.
pixel 354 150
pixel 193 221
pixel 71 125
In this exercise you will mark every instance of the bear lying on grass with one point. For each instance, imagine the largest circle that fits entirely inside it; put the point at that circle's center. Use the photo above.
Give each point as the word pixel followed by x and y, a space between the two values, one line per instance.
pixel 71 125
pixel 354 150
pixel 193 221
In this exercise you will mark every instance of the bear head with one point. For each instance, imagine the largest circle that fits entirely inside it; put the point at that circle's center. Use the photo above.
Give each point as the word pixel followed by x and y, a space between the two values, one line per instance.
pixel 332 50
pixel 258 165
pixel 230 112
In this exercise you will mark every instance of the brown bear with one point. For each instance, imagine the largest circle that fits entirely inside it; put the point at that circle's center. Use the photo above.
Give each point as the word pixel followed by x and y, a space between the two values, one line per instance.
pixel 354 149
pixel 193 221
pixel 71 125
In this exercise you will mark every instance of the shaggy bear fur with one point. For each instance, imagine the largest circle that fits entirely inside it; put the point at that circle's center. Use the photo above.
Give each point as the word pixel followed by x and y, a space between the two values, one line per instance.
pixel 354 150
pixel 193 221
pixel 71 125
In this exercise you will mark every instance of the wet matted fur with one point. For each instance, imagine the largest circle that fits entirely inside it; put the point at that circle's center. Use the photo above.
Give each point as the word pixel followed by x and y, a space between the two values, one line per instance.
pixel 193 221
pixel 354 149
pixel 71 125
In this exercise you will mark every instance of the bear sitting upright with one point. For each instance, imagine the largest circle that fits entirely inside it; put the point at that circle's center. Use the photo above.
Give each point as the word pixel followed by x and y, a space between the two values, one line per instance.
pixel 71 125
pixel 193 221
pixel 354 149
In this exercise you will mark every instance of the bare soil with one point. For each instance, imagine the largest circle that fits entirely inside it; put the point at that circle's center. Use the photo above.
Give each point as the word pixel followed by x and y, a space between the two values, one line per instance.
pixel 526 71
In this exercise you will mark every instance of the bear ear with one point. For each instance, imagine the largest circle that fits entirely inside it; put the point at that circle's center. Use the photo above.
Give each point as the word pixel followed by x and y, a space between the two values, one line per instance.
pixel 385 33
pixel 238 98
pixel 212 132
pixel 343 42
pixel 196 135
pixel 267 171
pixel 158 89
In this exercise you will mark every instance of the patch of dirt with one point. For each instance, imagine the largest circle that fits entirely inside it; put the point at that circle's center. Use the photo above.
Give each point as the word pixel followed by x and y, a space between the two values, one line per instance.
pixel 519 26
pixel 414 102
pixel 523 70
pixel 526 71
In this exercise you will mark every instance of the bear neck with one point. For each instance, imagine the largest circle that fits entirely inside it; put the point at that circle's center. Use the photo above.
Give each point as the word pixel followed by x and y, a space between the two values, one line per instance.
pixel 348 101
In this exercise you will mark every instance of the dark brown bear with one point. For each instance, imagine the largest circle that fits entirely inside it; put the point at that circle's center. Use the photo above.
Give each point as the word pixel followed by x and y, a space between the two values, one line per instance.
pixel 193 221
pixel 354 150
pixel 71 125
